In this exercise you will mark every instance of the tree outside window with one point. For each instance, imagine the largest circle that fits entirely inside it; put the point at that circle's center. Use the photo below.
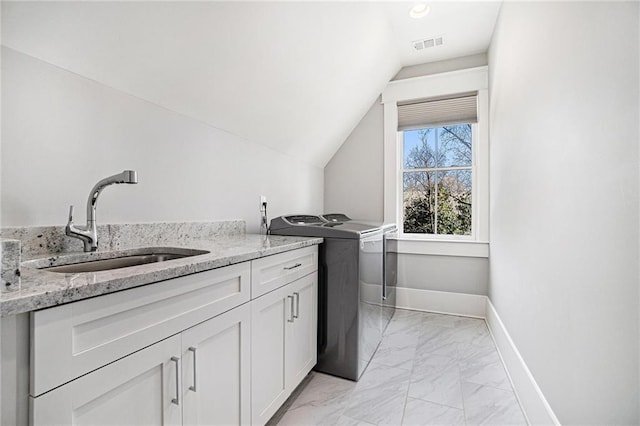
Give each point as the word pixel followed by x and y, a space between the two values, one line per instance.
pixel 437 180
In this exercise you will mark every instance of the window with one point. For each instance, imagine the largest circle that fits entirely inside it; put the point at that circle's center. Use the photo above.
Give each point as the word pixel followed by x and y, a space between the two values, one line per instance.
pixel 437 180
pixel 436 159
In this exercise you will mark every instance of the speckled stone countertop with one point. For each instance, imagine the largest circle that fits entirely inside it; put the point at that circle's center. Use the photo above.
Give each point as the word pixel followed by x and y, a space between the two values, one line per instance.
pixel 41 289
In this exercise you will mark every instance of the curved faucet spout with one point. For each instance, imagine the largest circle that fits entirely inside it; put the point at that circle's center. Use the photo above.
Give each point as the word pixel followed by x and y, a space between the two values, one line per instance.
pixel 89 233
pixel 127 176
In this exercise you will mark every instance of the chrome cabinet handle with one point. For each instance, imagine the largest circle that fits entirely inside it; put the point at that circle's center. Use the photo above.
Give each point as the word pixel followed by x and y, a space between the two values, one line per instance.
pixel 297 265
pixel 290 297
pixel 176 400
pixel 297 295
pixel 195 369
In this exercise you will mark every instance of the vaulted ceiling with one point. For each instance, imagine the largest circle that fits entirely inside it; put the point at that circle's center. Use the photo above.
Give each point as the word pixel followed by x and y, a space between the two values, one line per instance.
pixel 294 76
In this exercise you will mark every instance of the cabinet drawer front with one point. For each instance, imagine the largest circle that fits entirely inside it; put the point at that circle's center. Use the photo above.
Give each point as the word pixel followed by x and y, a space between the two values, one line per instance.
pixel 135 390
pixel 71 340
pixel 271 272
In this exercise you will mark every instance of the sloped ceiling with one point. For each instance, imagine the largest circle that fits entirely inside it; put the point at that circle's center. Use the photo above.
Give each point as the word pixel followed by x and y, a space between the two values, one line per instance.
pixel 294 76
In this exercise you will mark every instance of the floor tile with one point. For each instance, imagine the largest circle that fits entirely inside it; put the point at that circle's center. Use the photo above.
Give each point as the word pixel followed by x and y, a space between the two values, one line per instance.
pixel 475 334
pixel 448 321
pixel 438 341
pixel 397 350
pixel 419 413
pixel 440 385
pixel 320 403
pixel 324 389
pixel 379 396
pixel 380 376
pixel 312 415
pixel 484 405
pixel 425 361
pixel 407 322
pixel 429 369
pixel 482 365
pixel 348 421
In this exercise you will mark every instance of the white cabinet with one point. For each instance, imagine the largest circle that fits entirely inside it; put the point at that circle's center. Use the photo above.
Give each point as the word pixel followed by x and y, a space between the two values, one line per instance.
pixel 140 389
pixel 195 350
pixel 283 344
pixel 198 377
pixel 216 364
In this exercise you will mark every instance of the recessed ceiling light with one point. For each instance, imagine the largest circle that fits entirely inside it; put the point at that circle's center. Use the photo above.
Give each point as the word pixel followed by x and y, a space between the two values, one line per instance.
pixel 419 10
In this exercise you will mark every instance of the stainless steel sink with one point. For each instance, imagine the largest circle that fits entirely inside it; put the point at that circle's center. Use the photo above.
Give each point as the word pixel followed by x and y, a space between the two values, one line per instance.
pixel 117 260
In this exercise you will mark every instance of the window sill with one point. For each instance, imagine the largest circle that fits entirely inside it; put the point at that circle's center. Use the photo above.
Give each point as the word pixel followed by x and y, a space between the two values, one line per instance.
pixel 404 245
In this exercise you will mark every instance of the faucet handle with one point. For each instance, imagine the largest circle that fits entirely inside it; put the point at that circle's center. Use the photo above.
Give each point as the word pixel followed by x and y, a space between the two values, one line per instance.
pixel 71 213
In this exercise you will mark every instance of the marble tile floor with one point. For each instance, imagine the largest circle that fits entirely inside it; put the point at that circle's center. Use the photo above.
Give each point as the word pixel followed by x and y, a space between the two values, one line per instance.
pixel 429 369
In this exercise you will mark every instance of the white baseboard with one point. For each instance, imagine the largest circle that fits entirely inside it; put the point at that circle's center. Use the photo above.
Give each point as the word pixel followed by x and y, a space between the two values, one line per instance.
pixel 443 302
pixel 532 401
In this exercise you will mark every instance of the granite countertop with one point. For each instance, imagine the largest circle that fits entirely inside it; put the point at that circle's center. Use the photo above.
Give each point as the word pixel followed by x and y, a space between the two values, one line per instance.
pixel 42 289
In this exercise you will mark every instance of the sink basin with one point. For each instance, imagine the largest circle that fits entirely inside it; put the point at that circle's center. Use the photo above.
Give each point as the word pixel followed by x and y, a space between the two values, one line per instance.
pixel 117 260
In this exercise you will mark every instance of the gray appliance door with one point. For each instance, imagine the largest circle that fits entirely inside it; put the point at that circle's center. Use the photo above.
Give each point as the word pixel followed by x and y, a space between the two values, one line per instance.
pixel 370 305
pixel 390 280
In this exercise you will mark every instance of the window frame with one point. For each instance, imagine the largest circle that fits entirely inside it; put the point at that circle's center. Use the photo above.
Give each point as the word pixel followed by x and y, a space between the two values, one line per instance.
pixel 437 85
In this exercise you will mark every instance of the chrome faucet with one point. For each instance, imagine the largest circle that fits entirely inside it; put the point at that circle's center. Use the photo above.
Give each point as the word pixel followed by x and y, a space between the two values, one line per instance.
pixel 89 233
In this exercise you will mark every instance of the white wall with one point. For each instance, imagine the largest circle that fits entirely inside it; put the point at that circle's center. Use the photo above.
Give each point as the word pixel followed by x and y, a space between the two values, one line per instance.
pixel 63 132
pixel 280 74
pixel 353 184
pixel 564 201
pixel 353 177
pixel 454 274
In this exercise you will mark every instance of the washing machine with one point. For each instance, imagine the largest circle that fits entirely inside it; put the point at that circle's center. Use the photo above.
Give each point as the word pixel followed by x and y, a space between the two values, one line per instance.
pixel 356 283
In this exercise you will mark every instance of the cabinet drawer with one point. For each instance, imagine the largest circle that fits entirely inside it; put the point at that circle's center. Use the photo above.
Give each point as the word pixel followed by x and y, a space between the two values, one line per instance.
pixel 71 340
pixel 271 272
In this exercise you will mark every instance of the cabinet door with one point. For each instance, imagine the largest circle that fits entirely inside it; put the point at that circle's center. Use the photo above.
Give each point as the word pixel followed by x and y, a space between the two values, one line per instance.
pixel 270 314
pixel 301 352
pixel 216 362
pixel 139 389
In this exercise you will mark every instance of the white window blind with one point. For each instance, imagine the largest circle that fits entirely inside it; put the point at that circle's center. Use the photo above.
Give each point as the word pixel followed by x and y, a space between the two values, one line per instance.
pixel 436 112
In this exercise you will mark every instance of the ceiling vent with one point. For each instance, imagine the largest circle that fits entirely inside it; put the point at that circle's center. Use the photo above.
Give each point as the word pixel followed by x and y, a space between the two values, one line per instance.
pixel 428 43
